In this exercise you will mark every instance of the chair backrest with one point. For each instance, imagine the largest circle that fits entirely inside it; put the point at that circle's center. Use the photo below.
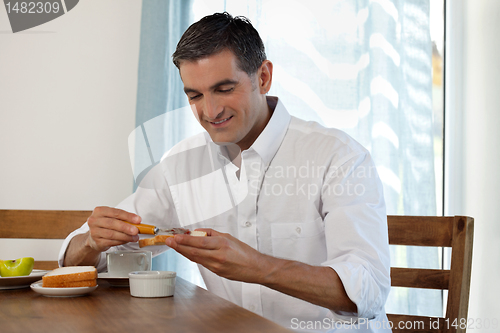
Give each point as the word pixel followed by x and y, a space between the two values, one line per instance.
pixel 455 232
pixel 41 224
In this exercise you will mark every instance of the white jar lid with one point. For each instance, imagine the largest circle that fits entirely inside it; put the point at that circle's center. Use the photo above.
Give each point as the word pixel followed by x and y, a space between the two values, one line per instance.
pixel 151 275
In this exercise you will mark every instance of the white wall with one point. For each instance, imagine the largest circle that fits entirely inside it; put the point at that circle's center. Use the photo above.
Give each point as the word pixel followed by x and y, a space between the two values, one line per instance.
pixel 67 105
pixel 475 108
pixel 482 154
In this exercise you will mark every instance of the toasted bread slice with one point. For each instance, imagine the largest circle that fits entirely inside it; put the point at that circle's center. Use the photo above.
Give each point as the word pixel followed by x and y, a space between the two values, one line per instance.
pixel 160 239
pixel 71 284
pixel 156 240
pixel 71 276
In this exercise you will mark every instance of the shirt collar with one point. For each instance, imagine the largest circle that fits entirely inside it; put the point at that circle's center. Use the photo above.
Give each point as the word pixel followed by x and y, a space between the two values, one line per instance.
pixel 270 139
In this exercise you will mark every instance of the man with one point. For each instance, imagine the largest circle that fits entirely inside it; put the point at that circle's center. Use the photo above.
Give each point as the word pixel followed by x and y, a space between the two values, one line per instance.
pixel 294 211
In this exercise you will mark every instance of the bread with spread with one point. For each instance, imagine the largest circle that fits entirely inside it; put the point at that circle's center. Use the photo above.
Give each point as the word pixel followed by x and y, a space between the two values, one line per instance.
pixel 160 239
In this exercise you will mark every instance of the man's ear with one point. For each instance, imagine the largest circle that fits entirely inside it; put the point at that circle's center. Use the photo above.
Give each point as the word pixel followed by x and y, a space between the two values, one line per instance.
pixel 265 76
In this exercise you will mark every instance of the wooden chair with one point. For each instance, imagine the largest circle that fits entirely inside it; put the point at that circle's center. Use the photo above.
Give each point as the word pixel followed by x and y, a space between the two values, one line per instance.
pixel 455 232
pixel 41 224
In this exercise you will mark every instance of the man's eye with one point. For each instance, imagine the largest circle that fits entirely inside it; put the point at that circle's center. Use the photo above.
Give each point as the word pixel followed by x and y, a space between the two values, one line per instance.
pixel 194 97
pixel 225 90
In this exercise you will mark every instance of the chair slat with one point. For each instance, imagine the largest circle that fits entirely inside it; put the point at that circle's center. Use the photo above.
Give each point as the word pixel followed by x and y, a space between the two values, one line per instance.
pixel 41 224
pixel 420 230
pixel 420 278
pixel 461 264
pixel 46 265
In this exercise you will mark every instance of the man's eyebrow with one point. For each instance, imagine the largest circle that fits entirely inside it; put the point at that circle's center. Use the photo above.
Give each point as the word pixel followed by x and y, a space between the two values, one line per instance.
pixel 218 84
pixel 190 90
pixel 223 82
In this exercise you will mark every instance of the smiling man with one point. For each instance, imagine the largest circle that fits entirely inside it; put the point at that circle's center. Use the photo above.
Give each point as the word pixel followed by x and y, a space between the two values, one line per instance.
pixel 229 104
pixel 294 211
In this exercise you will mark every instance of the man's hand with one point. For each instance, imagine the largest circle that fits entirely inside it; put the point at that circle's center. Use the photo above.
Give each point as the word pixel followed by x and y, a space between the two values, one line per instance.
pixel 228 257
pixel 107 228
pixel 222 254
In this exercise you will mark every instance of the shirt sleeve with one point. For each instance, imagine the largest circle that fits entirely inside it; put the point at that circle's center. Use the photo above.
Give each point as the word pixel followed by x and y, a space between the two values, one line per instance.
pixel 152 201
pixel 356 233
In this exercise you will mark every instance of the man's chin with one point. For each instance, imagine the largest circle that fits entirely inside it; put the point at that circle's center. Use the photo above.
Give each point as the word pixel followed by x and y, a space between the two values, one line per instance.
pixel 221 141
pixel 224 144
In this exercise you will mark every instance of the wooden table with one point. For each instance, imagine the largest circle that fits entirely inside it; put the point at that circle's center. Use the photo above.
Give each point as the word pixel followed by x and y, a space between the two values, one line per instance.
pixel 113 309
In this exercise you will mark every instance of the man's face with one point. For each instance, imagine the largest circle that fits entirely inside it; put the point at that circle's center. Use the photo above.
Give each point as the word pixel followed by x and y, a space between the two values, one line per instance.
pixel 226 101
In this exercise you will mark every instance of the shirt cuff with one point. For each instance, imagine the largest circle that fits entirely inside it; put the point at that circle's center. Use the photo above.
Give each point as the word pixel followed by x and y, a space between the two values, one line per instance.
pixel 362 289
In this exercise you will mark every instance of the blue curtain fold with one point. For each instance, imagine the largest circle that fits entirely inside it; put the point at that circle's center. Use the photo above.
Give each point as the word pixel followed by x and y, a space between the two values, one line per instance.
pixel 160 92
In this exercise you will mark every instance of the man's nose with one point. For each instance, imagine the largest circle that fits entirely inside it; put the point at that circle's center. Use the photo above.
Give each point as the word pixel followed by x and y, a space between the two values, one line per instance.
pixel 212 108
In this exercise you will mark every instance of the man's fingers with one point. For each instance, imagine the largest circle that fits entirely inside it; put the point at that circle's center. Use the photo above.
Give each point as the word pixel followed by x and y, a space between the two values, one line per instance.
pixel 118 214
pixel 103 239
pixel 209 231
pixel 110 224
pixel 112 218
pixel 196 254
pixel 114 235
pixel 208 243
pixel 107 227
pixel 101 244
pixel 119 225
pixel 119 234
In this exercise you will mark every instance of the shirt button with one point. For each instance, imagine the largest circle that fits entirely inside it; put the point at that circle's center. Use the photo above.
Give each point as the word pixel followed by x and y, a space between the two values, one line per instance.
pixel 252 308
pixel 298 230
pixel 247 224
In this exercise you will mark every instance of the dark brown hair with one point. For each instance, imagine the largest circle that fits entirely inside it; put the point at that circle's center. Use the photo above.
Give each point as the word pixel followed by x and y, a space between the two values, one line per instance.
pixel 215 33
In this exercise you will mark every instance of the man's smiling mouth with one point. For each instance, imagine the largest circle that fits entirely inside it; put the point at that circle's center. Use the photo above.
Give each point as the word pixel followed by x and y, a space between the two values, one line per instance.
pixel 220 122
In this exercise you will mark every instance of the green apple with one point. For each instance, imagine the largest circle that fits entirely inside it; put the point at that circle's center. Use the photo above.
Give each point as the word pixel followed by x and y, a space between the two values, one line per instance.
pixel 18 267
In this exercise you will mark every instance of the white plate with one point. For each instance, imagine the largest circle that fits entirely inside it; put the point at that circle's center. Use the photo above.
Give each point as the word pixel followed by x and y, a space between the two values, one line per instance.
pixel 61 292
pixel 17 282
pixel 114 281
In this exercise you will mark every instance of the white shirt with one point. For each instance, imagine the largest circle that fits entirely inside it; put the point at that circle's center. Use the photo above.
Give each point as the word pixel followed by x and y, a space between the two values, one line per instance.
pixel 305 193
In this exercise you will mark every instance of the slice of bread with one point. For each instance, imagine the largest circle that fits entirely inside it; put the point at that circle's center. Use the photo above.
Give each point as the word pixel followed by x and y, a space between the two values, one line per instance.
pixel 70 277
pixel 156 240
pixel 72 284
pixel 160 239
